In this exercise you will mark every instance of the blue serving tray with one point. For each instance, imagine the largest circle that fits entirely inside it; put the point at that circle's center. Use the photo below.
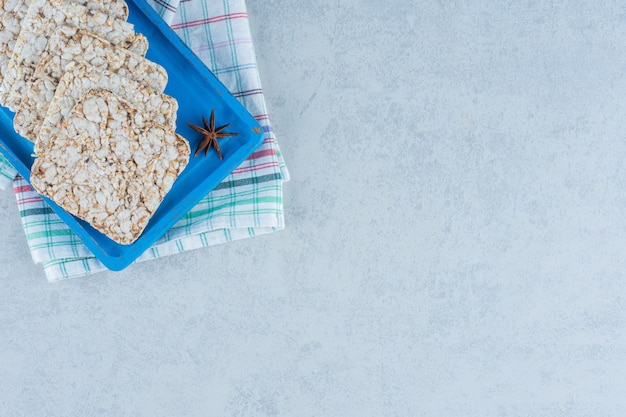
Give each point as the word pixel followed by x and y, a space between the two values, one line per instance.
pixel 198 92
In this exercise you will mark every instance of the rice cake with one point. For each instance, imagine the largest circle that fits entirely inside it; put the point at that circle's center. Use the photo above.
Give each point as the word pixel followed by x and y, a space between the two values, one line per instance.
pixel 42 18
pixel 79 79
pixel 114 8
pixel 110 166
pixel 14 11
pixel 69 45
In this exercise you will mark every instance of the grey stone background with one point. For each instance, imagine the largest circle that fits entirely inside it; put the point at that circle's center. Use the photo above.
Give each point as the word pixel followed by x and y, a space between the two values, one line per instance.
pixel 456 240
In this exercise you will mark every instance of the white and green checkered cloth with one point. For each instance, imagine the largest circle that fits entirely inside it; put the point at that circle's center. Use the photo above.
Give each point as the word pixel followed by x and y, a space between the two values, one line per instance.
pixel 246 204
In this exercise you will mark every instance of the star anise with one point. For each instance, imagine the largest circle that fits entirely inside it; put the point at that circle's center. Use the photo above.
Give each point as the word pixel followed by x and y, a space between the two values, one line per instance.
pixel 211 135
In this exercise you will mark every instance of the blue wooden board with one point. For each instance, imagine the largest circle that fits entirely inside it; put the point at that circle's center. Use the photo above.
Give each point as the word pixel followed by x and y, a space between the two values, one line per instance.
pixel 198 92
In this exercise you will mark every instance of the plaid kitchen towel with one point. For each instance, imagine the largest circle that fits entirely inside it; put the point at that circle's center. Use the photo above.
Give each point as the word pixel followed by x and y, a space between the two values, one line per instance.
pixel 7 173
pixel 246 204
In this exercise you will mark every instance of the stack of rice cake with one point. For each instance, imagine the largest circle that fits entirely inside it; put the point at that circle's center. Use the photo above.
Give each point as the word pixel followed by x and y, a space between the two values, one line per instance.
pixel 75 74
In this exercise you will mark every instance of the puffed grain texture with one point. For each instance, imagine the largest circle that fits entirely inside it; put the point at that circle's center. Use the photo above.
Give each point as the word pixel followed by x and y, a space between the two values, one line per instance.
pixel 40 21
pixel 79 79
pixel 12 12
pixel 66 46
pixel 110 166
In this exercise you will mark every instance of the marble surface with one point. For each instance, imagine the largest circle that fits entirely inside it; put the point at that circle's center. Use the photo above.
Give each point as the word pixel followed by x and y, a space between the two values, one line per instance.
pixel 456 239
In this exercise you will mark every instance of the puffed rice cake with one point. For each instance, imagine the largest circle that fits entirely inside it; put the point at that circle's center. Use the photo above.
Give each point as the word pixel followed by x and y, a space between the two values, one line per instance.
pixel 42 18
pixel 79 79
pixel 13 12
pixel 110 166
pixel 66 46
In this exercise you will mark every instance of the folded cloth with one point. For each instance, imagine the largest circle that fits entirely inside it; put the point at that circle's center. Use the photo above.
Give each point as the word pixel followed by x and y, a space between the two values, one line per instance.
pixel 7 173
pixel 247 203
